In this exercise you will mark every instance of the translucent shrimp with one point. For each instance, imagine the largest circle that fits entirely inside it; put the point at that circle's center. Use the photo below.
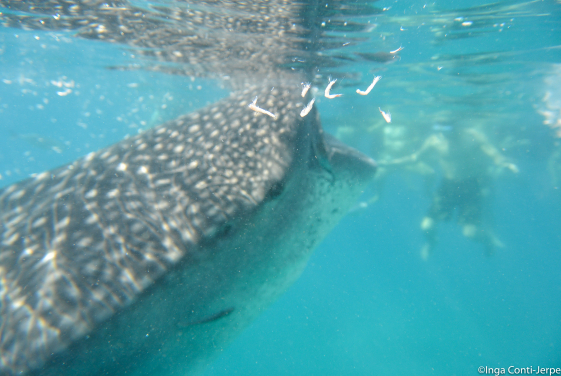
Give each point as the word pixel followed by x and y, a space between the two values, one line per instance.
pixel 376 79
pixel 253 106
pixel 328 88
pixel 308 108
pixel 387 116
pixel 305 87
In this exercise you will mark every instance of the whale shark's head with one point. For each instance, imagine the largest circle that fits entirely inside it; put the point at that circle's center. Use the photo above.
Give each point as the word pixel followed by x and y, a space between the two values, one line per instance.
pixel 151 255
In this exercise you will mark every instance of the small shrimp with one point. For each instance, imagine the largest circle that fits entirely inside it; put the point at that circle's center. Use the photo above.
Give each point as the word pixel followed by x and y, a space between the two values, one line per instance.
pixel 308 108
pixel 328 88
pixel 253 106
pixel 376 79
pixel 396 51
pixel 305 87
pixel 387 116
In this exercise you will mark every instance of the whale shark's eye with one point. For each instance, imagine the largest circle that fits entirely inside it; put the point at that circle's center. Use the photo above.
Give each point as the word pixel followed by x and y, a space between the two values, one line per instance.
pixel 224 231
pixel 275 190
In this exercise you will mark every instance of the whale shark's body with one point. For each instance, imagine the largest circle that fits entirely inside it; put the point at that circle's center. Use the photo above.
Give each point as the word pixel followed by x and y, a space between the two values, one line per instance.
pixel 149 256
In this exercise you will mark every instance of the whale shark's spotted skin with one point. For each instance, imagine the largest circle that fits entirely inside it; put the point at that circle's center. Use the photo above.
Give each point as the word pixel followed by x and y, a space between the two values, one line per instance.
pixel 81 241
pixel 230 203
pixel 149 256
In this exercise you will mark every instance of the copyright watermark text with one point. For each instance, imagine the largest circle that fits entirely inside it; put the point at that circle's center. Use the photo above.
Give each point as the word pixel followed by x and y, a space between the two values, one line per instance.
pixel 512 370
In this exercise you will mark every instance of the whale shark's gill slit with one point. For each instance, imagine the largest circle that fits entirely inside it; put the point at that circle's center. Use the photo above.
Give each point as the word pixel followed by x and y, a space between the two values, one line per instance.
pixel 207 320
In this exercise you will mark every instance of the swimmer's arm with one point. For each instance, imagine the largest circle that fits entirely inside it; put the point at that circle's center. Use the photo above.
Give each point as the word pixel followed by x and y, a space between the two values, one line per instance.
pixel 433 142
pixel 498 159
pixel 491 151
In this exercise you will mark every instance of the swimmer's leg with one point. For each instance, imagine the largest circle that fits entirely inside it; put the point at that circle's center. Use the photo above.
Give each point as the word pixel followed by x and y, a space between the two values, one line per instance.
pixel 484 236
pixel 472 219
pixel 441 209
pixel 428 226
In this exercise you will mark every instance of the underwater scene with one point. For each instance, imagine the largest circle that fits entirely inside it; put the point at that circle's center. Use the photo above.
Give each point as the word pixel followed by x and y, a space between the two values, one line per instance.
pixel 278 187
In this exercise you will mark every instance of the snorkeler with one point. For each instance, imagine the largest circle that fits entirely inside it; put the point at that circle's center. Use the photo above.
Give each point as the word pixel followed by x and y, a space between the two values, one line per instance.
pixel 467 159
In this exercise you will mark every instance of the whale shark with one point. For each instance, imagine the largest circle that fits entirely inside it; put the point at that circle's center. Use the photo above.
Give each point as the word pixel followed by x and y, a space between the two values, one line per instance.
pixel 150 256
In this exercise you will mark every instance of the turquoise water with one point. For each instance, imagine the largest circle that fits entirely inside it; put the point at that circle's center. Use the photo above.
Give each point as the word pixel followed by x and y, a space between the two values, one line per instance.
pixel 368 303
